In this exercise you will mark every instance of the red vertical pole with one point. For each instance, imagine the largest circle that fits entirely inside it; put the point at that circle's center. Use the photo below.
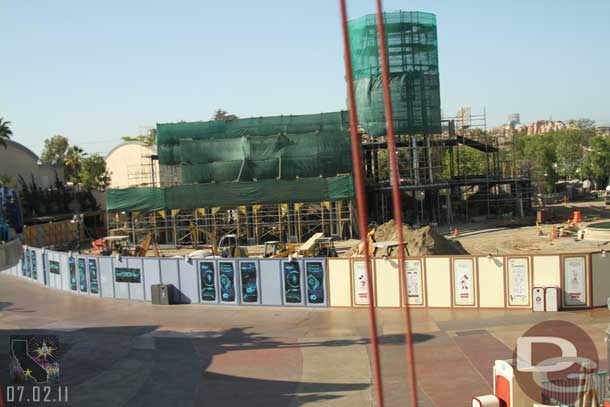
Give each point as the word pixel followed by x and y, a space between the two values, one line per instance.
pixel 389 119
pixel 361 199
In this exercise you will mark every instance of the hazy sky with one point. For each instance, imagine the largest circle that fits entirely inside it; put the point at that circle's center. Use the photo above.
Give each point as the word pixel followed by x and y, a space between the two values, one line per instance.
pixel 96 71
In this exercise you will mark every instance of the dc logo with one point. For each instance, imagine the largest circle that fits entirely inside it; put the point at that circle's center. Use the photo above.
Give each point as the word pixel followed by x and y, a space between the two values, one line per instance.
pixel 556 362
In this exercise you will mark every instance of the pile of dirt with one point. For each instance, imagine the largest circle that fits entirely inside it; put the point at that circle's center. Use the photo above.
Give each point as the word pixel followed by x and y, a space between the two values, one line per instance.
pixel 420 242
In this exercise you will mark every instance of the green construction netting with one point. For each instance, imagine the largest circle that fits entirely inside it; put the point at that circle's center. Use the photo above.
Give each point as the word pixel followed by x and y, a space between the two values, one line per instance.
pixel 135 199
pixel 414 78
pixel 230 194
pixel 172 133
pixel 277 147
pixel 246 158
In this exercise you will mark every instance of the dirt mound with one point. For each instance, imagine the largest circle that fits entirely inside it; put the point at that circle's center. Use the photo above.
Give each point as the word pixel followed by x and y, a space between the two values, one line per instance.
pixel 420 242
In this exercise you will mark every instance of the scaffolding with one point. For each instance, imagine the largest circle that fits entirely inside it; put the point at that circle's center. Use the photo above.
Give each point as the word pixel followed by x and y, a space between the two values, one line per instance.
pixel 254 224
pixel 144 172
pixel 450 169
pixel 459 175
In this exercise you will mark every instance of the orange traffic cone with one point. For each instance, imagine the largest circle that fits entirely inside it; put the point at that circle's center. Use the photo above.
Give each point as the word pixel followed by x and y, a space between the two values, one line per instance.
pixel 576 217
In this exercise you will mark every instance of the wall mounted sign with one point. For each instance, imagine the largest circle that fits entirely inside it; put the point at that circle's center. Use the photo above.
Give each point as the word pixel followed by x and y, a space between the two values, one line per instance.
pixel 361 284
pixel 292 283
pixel 82 275
pixel 127 275
pixel 54 267
pixel 227 282
pixel 34 265
pixel 249 281
pixel 208 281
pixel 415 291
pixel 575 281
pixel 93 283
pixel 463 281
pixel 518 281
pixel 314 271
pixel 72 269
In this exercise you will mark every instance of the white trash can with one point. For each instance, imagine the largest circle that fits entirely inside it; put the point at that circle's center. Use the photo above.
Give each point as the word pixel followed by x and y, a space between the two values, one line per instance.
pixel 538 298
pixel 551 299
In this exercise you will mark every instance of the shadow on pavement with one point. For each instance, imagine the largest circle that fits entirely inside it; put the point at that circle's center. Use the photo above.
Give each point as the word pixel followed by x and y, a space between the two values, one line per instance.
pixel 142 366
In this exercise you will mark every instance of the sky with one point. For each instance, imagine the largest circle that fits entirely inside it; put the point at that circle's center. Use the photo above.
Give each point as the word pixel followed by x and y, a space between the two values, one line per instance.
pixel 97 71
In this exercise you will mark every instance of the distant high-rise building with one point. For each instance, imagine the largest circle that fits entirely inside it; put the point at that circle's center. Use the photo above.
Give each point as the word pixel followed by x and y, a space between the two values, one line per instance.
pixel 514 118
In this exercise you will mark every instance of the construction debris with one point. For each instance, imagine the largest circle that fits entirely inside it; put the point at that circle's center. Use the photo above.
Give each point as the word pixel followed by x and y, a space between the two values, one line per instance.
pixel 420 242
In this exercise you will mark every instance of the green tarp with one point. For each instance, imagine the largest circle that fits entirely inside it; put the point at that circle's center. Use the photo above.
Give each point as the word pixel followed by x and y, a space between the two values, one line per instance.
pixel 414 74
pixel 257 148
pixel 172 133
pixel 135 199
pixel 230 194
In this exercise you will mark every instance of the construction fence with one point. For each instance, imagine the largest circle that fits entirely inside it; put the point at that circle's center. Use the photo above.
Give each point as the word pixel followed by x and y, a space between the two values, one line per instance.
pixel 570 281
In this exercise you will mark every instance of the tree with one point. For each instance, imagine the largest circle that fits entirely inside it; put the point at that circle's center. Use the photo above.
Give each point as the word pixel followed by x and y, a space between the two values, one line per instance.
pixel 220 114
pixel 93 173
pixel 72 162
pixel 54 150
pixel 8 181
pixel 535 155
pixel 149 139
pixel 582 124
pixel 5 131
pixel 569 152
pixel 597 162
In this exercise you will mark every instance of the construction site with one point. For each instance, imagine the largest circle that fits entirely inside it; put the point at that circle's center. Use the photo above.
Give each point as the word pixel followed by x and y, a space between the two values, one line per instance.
pixel 286 178
pixel 383 253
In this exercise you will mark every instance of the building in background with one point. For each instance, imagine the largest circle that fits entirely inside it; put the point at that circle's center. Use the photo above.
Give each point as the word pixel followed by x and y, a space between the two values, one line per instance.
pixel 603 130
pixel 514 119
pixel 133 164
pixel 16 160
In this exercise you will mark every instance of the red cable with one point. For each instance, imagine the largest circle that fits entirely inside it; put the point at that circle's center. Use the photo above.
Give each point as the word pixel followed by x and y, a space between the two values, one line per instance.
pixel 387 98
pixel 361 200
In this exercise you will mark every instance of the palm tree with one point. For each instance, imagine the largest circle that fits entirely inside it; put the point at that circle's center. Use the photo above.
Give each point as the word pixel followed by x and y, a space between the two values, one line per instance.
pixel 72 161
pixel 5 132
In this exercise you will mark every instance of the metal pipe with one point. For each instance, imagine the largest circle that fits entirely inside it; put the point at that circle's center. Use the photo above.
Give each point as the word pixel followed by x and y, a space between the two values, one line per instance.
pixel 361 199
pixel 387 98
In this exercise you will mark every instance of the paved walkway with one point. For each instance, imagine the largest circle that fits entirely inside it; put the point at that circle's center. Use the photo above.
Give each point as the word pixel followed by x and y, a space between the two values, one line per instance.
pixel 120 353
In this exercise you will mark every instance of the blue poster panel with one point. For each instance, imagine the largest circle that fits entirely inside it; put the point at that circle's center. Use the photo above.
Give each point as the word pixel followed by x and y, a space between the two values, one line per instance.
pixel 249 281
pixel 44 268
pixel 127 275
pixel 54 267
pixel 72 268
pixel 315 282
pixel 227 282
pixel 95 289
pixel 28 263
pixel 82 275
pixel 292 283
pixel 24 266
pixel 34 265
pixel 208 281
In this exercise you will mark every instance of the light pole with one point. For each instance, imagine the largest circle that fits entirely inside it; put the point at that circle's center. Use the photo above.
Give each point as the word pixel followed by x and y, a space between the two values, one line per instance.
pixel 78 219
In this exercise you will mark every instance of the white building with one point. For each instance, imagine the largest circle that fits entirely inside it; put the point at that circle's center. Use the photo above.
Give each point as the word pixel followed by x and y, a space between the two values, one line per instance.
pixel 133 164
pixel 18 160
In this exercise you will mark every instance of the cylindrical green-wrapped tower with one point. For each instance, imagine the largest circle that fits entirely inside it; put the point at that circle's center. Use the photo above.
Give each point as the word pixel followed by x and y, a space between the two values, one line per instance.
pixel 414 80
